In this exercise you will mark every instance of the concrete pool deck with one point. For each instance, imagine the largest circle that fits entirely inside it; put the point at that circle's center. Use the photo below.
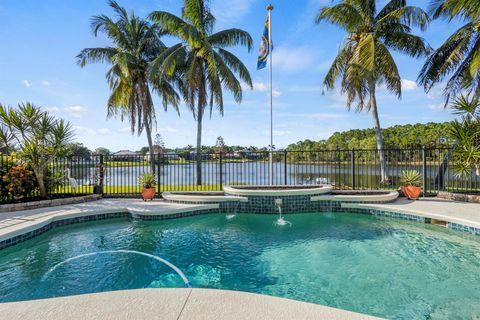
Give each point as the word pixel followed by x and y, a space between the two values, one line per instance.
pixel 172 304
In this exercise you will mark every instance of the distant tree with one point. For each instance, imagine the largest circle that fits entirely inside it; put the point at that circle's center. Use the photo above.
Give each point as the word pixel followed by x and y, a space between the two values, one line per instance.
pixel 78 150
pixel 102 151
pixel 159 145
pixel 220 145
pixel 364 61
pixel 143 150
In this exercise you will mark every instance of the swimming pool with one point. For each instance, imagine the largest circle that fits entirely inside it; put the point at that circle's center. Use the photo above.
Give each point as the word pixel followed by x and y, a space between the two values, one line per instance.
pixel 375 265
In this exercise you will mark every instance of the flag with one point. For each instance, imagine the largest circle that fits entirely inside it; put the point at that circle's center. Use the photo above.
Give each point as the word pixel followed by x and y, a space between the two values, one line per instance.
pixel 265 47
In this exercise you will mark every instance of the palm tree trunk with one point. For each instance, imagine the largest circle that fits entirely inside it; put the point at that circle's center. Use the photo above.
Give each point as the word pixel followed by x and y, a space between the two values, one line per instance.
pixel 198 156
pixel 378 133
pixel 148 131
pixel 147 120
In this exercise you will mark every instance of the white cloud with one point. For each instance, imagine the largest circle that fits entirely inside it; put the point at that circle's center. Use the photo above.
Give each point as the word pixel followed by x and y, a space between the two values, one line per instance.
pixel 276 93
pixel 52 109
pixel 26 83
pixel 84 131
pixel 45 83
pixel 104 131
pixel 293 59
pixel 76 111
pixel 257 86
pixel 408 85
pixel 436 106
pixel 231 11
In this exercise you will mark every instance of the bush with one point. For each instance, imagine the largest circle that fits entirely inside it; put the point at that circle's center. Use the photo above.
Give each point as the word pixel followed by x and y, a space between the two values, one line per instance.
pixel 20 181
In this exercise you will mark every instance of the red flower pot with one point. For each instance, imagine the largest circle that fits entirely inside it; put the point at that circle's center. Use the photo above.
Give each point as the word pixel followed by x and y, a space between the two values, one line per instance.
pixel 148 193
pixel 412 192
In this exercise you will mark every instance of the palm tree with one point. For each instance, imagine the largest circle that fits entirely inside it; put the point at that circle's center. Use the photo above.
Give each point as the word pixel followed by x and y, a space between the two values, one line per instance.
pixel 364 61
pixel 207 67
pixel 459 55
pixel 466 135
pixel 136 44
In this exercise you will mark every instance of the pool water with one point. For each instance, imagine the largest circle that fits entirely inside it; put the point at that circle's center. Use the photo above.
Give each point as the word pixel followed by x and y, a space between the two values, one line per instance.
pixel 379 266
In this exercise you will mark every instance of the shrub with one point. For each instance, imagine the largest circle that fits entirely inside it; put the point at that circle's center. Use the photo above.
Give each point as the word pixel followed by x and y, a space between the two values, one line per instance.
pixel 20 181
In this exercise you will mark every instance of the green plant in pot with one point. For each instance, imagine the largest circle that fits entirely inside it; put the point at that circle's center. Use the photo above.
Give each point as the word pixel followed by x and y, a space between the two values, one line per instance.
pixel 148 183
pixel 411 181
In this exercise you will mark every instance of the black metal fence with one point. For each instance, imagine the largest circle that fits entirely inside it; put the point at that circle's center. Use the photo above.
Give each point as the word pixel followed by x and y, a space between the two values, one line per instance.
pixel 115 176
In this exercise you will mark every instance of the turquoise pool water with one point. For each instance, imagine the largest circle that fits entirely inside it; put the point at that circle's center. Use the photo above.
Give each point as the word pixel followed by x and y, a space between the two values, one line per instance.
pixel 379 266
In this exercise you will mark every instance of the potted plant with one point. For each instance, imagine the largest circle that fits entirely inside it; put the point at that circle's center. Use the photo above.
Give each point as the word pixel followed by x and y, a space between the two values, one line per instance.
pixel 411 181
pixel 148 183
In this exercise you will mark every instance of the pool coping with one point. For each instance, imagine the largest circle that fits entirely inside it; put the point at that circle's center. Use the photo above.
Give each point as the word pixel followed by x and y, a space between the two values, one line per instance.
pixel 195 198
pixel 377 198
pixel 175 303
pixel 298 191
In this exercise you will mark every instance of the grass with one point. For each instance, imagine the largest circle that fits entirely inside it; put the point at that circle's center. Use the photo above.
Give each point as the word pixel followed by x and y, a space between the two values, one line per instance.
pixel 137 189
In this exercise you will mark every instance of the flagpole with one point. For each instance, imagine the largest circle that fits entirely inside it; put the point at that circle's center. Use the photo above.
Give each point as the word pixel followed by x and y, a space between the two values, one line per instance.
pixel 270 8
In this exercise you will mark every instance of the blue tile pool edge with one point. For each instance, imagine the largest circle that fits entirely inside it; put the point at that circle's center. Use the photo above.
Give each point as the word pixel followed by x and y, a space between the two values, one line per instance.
pixel 329 207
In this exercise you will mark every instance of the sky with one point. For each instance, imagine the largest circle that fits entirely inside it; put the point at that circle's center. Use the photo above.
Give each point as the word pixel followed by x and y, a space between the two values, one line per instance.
pixel 40 39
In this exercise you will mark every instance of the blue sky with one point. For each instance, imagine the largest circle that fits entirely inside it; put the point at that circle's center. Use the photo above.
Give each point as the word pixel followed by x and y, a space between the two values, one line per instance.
pixel 40 40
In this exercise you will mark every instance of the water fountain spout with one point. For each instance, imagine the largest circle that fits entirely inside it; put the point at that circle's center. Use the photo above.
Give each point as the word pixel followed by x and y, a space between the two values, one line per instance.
pixel 280 221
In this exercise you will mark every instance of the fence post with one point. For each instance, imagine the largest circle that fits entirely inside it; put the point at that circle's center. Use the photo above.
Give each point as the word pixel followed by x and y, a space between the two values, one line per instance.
pixel 424 171
pixel 221 170
pixel 101 176
pixel 285 154
pixel 352 168
pixel 158 172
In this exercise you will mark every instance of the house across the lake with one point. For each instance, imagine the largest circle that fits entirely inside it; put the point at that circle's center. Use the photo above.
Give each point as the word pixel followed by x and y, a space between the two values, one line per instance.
pixel 126 155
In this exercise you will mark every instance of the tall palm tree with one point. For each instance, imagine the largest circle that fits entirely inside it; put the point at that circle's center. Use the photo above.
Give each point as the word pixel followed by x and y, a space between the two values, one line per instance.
pixel 207 67
pixel 364 61
pixel 459 55
pixel 136 44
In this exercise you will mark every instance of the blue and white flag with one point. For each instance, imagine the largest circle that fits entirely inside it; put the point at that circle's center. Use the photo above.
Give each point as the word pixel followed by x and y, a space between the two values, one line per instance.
pixel 265 47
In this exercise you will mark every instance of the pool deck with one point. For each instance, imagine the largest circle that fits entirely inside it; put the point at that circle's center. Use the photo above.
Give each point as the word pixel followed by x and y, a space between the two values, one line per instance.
pixel 174 304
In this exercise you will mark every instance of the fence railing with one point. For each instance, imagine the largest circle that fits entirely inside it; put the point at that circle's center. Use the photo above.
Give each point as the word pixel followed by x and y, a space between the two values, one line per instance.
pixel 117 176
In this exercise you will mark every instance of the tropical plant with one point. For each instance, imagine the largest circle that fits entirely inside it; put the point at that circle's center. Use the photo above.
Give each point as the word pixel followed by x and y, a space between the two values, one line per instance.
pixel 38 136
pixel 459 56
pixel 207 67
pixel 136 43
pixel 466 135
pixel 147 180
pixel 364 61
pixel 19 181
pixel 411 178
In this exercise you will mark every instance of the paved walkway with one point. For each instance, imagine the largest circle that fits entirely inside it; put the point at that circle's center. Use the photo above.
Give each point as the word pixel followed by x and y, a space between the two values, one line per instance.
pixel 166 304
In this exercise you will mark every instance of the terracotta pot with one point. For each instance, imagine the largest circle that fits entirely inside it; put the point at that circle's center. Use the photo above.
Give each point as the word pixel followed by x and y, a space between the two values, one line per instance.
pixel 148 193
pixel 412 192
